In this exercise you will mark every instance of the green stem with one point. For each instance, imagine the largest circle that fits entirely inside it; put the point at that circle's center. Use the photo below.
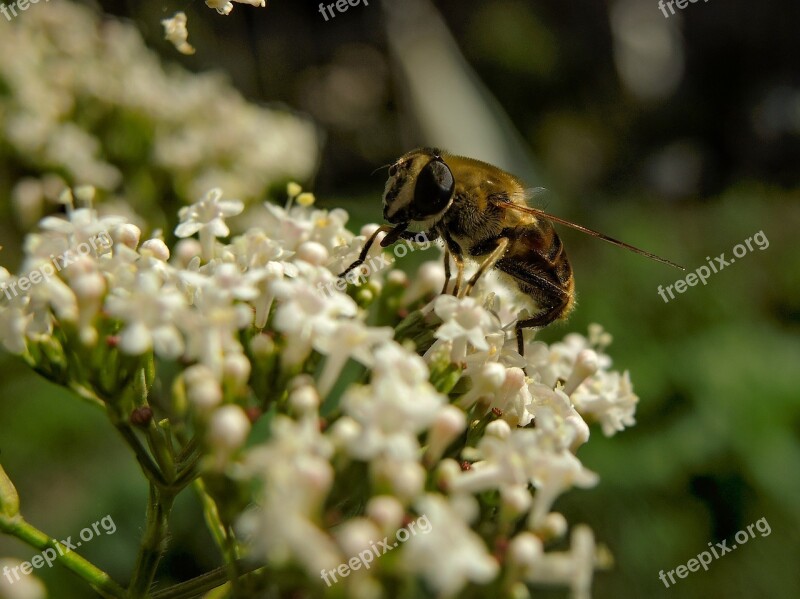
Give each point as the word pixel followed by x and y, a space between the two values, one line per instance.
pixel 153 543
pixel 99 580
pixel 149 467
pixel 232 557
pixel 213 521
pixel 158 447
pixel 223 535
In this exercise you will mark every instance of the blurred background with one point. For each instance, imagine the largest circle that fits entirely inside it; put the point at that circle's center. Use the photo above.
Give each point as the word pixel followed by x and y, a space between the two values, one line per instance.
pixel 678 134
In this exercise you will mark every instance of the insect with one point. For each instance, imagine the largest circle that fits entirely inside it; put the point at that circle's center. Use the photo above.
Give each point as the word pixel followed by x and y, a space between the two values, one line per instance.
pixel 480 212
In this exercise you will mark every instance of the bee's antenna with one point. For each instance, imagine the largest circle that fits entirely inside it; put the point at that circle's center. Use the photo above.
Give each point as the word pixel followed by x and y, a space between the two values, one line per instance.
pixel 379 168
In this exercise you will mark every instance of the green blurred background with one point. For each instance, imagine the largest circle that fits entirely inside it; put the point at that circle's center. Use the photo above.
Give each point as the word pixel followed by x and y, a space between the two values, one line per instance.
pixel 680 135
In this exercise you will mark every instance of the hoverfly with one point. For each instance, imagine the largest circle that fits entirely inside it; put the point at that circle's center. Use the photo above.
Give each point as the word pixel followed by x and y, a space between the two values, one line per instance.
pixel 480 212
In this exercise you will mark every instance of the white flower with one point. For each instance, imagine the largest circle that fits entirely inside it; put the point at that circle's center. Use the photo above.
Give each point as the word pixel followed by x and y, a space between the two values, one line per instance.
pixel 14 319
pixel 486 380
pixel 211 328
pixel 556 362
pixel 608 397
pixel 397 405
pixel 175 32
pixel 297 475
pixel 208 218
pixel 303 311
pixel 573 568
pixel 557 419
pixel 514 399
pixel 522 457
pixel 343 340
pixel 450 555
pixel 149 309
pixel 224 7
pixel 51 296
pixel 464 323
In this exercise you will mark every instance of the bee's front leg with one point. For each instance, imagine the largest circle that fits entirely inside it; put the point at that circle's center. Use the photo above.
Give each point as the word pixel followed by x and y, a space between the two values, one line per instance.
pixel 446 270
pixel 451 248
pixel 459 266
pixel 368 245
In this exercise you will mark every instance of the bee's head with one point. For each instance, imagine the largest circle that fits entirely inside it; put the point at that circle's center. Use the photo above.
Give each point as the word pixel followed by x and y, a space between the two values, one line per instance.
pixel 420 187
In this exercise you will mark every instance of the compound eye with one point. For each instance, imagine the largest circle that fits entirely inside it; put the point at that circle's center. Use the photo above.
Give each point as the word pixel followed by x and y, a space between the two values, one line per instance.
pixel 434 188
pixel 393 170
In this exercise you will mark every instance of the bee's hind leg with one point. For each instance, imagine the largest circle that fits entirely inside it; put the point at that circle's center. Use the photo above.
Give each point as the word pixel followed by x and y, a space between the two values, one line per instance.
pixel 555 301
pixel 540 320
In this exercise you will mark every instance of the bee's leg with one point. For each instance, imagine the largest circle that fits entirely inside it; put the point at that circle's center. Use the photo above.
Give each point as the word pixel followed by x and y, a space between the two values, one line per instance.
pixel 542 319
pixel 554 298
pixel 446 269
pixel 497 253
pixel 367 246
pixel 459 260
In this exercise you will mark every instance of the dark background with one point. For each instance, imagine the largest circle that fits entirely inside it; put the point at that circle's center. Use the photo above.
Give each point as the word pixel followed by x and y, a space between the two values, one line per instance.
pixel 680 135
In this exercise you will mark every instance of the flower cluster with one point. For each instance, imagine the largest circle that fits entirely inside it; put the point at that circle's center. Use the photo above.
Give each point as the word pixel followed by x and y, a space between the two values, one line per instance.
pixel 83 101
pixel 382 403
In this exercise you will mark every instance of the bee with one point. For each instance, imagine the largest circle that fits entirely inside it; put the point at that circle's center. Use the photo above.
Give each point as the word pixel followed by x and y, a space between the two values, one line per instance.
pixel 480 212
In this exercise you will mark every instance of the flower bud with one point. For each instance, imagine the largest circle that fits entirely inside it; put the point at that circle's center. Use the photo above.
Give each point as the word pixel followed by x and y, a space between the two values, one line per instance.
pixel 228 428
pixel 202 388
pixel 312 252
pixel 586 365
pixel 304 400
pixel 386 511
pixel 449 423
pixel 127 235
pixel 356 535
pixel 236 369
pixel 19 587
pixel 525 549
pixel 499 429
pixel 9 499
pixel 516 500
pixel 155 248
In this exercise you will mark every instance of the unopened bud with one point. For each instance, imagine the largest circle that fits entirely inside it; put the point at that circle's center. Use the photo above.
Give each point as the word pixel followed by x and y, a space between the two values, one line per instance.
pixel 9 499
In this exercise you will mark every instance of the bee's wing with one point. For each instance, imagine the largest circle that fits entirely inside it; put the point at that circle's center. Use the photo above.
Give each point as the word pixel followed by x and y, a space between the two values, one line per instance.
pixel 542 214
